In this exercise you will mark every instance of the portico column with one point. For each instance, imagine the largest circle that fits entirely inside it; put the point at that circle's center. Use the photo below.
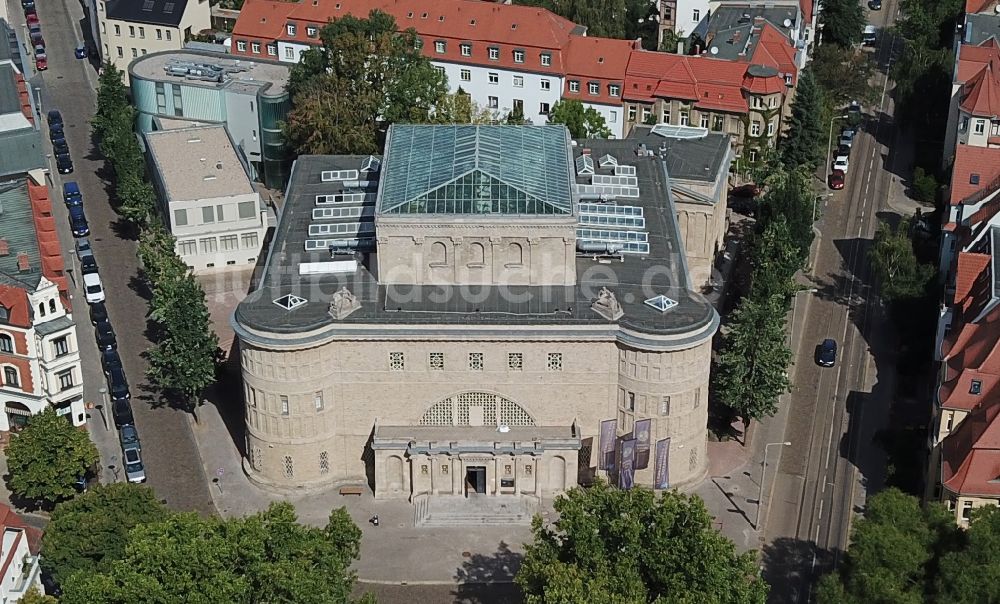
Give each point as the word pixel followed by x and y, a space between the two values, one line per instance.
pixel 497 474
pixel 457 477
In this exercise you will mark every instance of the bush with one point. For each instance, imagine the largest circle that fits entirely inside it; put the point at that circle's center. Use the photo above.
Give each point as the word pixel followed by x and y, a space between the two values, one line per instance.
pixel 925 186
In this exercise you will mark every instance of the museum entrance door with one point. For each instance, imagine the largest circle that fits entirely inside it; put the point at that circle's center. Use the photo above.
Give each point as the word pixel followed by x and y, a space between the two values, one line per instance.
pixel 475 480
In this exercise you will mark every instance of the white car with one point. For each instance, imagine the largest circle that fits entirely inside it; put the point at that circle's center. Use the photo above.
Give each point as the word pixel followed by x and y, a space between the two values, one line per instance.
pixel 841 164
pixel 93 288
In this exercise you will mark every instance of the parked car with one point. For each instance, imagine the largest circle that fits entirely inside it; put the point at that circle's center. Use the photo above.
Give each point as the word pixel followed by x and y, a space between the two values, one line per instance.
pixel 837 180
pixel 41 64
pixel 99 314
pixel 869 36
pixel 105 335
pixel 843 150
pixel 134 470
pixel 64 163
pixel 25 4
pixel 842 164
pixel 80 52
pixel 847 137
pixel 875 4
pixel 88 265
pixel 31 19
pixel 55 118
pixel 110 361
pixel 118 384
pixel 60 147
pixel 78 221
pixel 827 355
pixel 128 436
pixel 93 288
pixel 72 196
pixel 29 10
pixel 841 155
pixel 83 247
pixel 56 132
pixel 121 410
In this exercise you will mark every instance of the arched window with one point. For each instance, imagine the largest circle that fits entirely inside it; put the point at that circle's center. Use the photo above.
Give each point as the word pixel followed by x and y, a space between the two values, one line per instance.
pixel 41 309
pixel 439 253
pixel 515 254
pixel 10 377
pixel 52 305
pixel 6 343
pixel 477 254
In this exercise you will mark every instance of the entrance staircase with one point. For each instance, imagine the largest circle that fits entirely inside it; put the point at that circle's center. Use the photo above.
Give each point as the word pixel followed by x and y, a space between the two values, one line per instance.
pixel 475 510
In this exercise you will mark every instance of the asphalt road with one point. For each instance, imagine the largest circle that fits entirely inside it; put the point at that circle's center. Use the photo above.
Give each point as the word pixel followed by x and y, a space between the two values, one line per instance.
pixel 173 466
pixel 835 413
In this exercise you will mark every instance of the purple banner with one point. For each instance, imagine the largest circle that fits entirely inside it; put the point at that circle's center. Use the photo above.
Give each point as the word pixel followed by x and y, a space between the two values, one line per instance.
pixel 642 431
pixel 609 432
pixel 661 479
pixel 626 464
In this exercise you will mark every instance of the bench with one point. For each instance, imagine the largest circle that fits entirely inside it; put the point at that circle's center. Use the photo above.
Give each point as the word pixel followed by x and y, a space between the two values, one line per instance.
pixel 352 490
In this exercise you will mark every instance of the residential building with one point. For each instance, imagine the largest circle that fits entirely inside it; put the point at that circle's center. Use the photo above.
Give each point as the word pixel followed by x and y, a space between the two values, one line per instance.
pixel 128 29
pixel 972 204
pixel 248 96
pixel 595 76
pixel 465 315
pixel 20 569
pixel 39 352
pixel 20 141
pixel 206 197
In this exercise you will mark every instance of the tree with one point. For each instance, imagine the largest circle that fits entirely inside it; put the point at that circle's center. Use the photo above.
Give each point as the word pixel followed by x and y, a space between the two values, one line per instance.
pixel 611 545
pixel 968 573
pixel 112 100
pixel 267 557
pixel 516 117
pixel 775 261
pixel 670 41
pixel 34 596
pixel 752 367
pixel 842 22
pixel 136 197
pixel 184 360
pixel 583 122
pixel 898 270
pixel 792 200
pixel 157 256
pixel 459 108
pixel 47 457
pixel 88 533
pixel 925 186
pixel 642 19
pixel 802 145
pixel 843 74
pixel 328 118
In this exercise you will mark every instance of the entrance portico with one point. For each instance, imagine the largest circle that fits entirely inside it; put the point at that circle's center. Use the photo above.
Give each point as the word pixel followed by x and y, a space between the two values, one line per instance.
pixel 468 461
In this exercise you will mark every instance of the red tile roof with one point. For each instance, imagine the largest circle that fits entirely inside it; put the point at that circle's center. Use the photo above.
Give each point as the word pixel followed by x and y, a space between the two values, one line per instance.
pixel 972 59
pixel 53 267
pixel 15 300
pixel 9 518
pixel 974 354
pixel 978 6
pixel 806 6
pixel 969 160
pixel 968 268
pixel 981 94
pixel 774 50
pixel 709 83
pixel 602 60
pixel 970 456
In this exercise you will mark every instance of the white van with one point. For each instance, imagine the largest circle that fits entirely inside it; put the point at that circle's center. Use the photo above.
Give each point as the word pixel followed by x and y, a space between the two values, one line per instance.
pixel 868 36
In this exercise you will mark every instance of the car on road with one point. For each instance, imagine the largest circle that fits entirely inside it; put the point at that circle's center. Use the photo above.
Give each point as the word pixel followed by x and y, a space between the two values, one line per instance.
pixel 41 64
pixel 105 335
pixel 64 163
pixel 83 248
pixel 60 147
pixel 121 410
pixel 134 470
pixel 88 265
pixel 80 52
pixel 29 10
pixel 56 132
pixel 842 154
pixel 40 50
pixel 843 150
pixel 837 179
pixel 93 288
pixel 847 137
pixel 118 384
pixel 128 436
pixel 72 196
pixel 25 4
pixel 54 118
pixel 827 354
pixel 110 361
pixel 875 4
pixel 842 164
pixel 78 221
pixel 31 19
pixel 99 314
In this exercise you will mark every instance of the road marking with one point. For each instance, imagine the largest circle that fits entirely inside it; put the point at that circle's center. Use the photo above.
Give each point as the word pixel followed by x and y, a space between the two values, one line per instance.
pixel 821 502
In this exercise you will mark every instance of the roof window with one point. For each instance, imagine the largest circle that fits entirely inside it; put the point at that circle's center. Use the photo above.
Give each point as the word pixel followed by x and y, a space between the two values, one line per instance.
pixel 441 18
pixel 973 179
pixel 423 16
pixel 976 387
pixel 290 301
pixel 661 303
pixel 513 25
pixel 472 22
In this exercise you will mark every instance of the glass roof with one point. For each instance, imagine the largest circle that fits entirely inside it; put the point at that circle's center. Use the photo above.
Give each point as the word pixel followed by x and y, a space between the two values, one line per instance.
pixel 472 169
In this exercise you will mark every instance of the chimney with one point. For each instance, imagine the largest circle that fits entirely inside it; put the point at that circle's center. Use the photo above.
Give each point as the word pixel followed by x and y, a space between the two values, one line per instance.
pixel 23 264
pixel 4 248
pixel 680 47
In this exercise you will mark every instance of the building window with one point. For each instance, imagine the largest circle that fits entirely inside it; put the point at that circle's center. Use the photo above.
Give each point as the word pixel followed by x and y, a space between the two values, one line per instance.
pixel 168 34
pixel 209 245
pixel 121 52
pixel 755 128
pixel 131 31
pixel 492 102
pixel 685 118
pixel 143 51
pixel 6 343
pixel 949 422
pixel 439 69
pixel 546 59
pixel 976 387
pixel 515 361
pixel 665 406
pixel 630 401
pixel 284 404
pixel 61 346
pixel 493 77
pixel 752 155
pixel 770 128
pixel 543 108
pixel 41 308
pixel 290 53
pixel 272 50
pixel 418 43
pixel 574 86
pixel 255 48
pixel 436 361
pixel 703 121
pixel 290 28
pixel 52 306
pixel 249 241
pixel 494 53
pixel 324 462
pixel 475 361
pixel 397 362
pixel 545 84
pixel 466 50
pixel 188 247
pixel 65 379
pixel 10 377
pixel 135 52
pixel 519 56
pixel 229 243
pixel 142 33
pixel 207 214
pixel 440 46
pixel 289 468
pixel 612 117
pixel 318 400
pixel 631 113
pixel 178 101
pixel 980 126
pixel 465 75
pixel 717 122
pixel 555 361
pixel 241 45
pixel 118 30
pixel 645 114
pixel 246 210
pixel 518 81
pixel 594 88
pixel 614 90
pixel 696 15
pixel 966 510
pixel 159 33
pixel 103 28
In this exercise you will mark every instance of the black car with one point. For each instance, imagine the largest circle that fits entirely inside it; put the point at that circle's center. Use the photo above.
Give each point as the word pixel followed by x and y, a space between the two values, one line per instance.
pixel 99 313
pixel 64 164
pixel 88 265
pixel 128 436
pixel 827 354
pixel 875 4
pixel 56 133
pixel 106 339
pixel 118 384
pixel 59 147
pixel 55 118
pixel 110 361
pixel 122 412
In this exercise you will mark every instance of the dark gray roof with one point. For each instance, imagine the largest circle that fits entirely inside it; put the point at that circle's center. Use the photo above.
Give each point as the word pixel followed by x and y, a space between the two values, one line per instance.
pixel 729 29
pixel 980 28
pixel 48 327
pixel 17 226
pixel 687 159
pixel 633 280
pixel 155 12
pixel 20 151
pixel 10 100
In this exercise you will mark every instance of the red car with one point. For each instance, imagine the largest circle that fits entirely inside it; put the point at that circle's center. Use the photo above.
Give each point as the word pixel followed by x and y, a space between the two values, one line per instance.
pixel 41 63
pixel 31 18
pixel 837 179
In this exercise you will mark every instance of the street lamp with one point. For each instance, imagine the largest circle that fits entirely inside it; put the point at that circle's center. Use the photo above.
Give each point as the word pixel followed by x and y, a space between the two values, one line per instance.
pixel 760 490
pixel 103 406
pixel 829 145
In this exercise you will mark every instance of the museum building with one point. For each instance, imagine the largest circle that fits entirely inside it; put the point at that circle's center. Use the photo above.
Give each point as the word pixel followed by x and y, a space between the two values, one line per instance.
pixel 469 313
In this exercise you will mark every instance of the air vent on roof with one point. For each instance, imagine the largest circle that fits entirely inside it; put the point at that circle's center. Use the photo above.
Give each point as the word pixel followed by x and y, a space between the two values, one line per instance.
pixel 441 18
pixel 194 140
pixel 513 25
pixel 472 22
pixel 973 179
pixel 661 303
pixel 168 8
pixel 23 263
pixel 147 5
pixel 409 15
pixel 600 59
pixel 290 301
pixel 4 248
pixel 337 6
pixel 423 15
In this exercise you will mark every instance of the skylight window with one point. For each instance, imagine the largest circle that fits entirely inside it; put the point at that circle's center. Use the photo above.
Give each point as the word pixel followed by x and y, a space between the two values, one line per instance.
pixel 168 8
pixel 371 164
pixel 584 165
pixel 290 301
pixel 661 303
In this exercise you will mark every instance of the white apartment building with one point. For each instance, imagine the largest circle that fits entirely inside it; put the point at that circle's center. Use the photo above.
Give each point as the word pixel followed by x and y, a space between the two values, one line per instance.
pixel 19 566
pixel 206 197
